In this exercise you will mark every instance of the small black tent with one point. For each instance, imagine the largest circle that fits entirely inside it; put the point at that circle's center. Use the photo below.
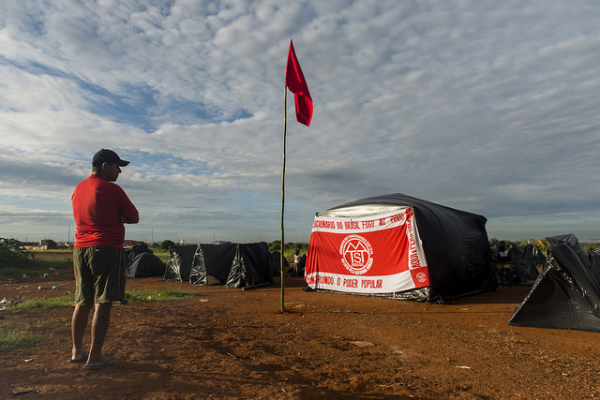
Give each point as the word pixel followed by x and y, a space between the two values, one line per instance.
pixel 398 246
pixel 566 295
pixel 180 263
pixel 145 265
pixel 136 250
pixel 212 263
pixel 301 266
pixel 526 259
pixel 251 266
pixel 276 263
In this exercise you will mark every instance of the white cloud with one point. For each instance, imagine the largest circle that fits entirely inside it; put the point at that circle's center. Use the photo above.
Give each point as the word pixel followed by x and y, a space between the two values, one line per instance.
pixel 486 107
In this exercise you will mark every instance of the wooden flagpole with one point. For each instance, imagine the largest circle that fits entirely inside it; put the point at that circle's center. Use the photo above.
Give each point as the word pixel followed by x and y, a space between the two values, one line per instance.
pixel 281 263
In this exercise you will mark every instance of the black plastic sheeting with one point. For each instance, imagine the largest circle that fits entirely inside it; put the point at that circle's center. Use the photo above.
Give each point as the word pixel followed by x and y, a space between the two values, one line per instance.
pixel 230 264
pixel 142 263
pixel 145 265
pixel 180 262
pixel 135 251
pixel 212 260
pixel 251 266
pixel 566 295
pixel 276 263
pixel 456 247
pixel 289 269
pixel 526 258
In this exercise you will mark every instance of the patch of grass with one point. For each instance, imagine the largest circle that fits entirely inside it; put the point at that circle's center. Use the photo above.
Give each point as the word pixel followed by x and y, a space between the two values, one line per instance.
pixel 162 295
pixel 48 263
pixel 38 264
pixel 17 336
pixel 45 304
pixel 512 338
pixel 163 255
pixel 69 299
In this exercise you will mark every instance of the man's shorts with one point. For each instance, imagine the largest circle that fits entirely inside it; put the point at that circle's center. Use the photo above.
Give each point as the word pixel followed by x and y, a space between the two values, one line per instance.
pixel 99 275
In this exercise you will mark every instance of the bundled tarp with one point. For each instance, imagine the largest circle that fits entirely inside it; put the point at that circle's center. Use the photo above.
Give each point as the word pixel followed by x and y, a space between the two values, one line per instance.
pixel 212 264
pixel 566 295
pixel 402 247
pixel 145 265
pixel 180 263
pixel 251 266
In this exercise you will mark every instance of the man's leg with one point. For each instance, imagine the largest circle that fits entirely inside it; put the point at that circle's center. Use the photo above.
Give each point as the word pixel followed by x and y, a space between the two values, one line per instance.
pixel 78 327
pixel 100 324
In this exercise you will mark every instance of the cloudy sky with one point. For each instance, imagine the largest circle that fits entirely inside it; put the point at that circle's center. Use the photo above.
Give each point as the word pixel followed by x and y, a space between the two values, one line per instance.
pixel 485 106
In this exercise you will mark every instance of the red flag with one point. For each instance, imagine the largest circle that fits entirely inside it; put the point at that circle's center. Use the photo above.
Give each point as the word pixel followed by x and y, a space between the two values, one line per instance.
pixel 294 80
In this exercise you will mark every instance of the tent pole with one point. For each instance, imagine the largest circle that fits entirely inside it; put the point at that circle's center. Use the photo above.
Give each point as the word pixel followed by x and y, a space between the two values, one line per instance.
pixel 281 263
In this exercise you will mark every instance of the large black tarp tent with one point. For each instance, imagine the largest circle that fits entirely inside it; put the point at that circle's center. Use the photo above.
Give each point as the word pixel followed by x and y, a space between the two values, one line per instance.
pixel 566 295
pixel 251 266
pixel 180 262
pixel 212 264
pixel 398 246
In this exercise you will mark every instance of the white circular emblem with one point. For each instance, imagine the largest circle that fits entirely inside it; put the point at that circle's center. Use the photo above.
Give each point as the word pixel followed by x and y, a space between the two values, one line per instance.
pixel 356 252
pixel 421 277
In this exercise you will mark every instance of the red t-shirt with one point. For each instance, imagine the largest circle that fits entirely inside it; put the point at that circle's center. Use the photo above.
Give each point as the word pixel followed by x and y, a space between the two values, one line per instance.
pixel 97 207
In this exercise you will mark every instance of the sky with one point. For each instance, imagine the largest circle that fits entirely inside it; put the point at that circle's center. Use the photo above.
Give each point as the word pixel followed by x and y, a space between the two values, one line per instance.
pixel 489 107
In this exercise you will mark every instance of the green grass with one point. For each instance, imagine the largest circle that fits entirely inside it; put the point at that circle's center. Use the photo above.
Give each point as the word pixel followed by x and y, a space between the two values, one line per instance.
pixel 69 300
pixel 163 255
pixel 45 304
pixel 17 336
pixel 163 295
pixel 41 263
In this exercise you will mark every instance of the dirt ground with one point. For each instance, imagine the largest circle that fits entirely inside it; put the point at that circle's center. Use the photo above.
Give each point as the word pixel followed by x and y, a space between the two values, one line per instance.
pixel 236 344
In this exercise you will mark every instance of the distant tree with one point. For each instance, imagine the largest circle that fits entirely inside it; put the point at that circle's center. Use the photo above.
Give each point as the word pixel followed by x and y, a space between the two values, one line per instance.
pixel 49 244
pixel 275 245
pixel 12 254
pixel 166 244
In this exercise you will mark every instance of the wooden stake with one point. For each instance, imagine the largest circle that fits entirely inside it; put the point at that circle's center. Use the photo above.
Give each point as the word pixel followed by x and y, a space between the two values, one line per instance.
pixel 281 263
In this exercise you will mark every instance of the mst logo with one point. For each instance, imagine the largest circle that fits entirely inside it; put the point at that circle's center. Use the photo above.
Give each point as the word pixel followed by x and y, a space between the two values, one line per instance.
pixel 357 254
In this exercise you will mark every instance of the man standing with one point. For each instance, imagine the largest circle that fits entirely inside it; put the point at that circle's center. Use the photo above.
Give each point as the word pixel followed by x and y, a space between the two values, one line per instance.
pixel 296 262
pixel 100 208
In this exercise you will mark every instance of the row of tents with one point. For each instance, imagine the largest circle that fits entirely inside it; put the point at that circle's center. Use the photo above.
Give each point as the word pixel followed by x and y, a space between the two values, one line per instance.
pixel 233 265
pixel 401 247
pixel 222 263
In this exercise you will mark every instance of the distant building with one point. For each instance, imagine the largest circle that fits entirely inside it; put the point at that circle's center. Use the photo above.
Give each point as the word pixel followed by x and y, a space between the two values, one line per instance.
pixel 130 243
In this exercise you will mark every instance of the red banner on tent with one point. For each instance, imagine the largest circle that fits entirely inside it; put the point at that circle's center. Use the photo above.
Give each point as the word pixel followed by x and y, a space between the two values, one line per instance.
pixel 371 255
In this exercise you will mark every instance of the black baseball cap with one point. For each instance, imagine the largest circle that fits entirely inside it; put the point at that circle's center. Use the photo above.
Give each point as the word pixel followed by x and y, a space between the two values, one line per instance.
pixel 109 156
